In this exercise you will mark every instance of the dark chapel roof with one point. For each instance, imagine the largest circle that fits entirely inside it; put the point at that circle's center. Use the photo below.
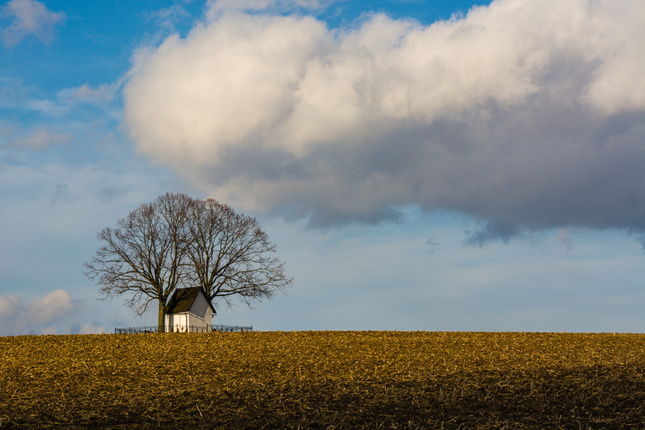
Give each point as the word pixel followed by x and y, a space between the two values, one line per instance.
pixel 183 298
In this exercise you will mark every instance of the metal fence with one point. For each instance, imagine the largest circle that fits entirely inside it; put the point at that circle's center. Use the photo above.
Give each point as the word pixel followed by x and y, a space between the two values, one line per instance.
pixel 220 328
pixel 231 328
pixel 136 330
pixel 189 329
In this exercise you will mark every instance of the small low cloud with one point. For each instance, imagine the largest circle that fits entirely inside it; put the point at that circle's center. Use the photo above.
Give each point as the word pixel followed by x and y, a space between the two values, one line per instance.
pixel 28 17
pixel 39 316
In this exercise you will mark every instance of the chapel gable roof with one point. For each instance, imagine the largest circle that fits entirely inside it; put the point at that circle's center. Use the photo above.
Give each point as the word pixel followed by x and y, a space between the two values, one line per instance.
pixel 183 298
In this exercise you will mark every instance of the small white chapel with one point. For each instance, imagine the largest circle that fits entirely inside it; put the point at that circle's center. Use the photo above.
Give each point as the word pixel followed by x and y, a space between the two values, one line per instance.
pixel 189 310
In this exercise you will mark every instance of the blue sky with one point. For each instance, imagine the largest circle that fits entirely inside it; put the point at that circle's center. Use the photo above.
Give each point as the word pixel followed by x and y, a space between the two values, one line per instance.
pixel 420 165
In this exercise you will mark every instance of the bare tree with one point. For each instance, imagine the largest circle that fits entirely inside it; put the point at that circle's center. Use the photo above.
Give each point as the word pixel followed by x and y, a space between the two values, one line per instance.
pixel 145 254
pixel 177 240
pixel 232 257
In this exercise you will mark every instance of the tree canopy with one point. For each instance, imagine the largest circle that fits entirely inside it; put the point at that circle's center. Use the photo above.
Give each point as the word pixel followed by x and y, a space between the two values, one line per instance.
pixel 178 241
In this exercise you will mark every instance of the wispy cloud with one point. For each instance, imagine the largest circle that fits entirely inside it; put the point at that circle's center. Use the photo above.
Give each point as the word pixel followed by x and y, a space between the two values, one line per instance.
pixel 528 115
pixel 168 18
pixel 73 115
pixel 28 17
pixel 215 8
pixel 85 93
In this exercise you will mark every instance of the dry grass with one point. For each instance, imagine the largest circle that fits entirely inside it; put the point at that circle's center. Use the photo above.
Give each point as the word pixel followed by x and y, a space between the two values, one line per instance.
pixel 324 380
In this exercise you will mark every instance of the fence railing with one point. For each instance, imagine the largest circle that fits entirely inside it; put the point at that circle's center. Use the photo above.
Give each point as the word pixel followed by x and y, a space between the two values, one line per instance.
pixel 136 330
pixel 191 329
pixel 231 328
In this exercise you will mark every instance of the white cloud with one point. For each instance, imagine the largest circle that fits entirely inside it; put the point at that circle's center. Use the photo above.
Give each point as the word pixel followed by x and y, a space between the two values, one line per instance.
pixel 29 17
pixel 241 102
pixel 38 316
pixel 516 113
pixel 54 305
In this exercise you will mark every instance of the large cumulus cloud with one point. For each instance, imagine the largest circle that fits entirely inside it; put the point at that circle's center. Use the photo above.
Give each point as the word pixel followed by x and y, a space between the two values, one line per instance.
pixel 528 114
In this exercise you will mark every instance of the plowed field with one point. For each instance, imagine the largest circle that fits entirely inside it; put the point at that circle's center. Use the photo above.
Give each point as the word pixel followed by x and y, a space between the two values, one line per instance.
pixel 324 380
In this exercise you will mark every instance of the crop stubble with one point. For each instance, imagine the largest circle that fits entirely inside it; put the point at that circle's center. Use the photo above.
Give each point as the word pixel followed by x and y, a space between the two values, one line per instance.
pixel 324 380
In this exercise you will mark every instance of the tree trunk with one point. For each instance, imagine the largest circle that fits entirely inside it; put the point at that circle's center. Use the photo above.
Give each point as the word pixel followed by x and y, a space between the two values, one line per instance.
pixel 162 316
